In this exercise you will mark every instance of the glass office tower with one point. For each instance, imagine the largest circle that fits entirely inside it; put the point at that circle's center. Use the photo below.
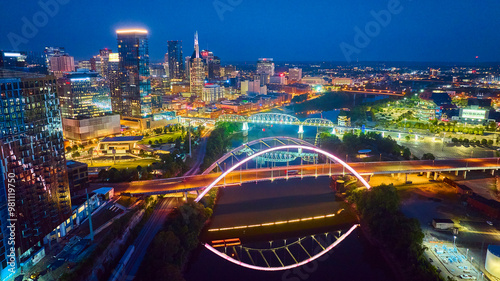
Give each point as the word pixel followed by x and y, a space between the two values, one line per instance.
pixel 175 60
pixel 135 98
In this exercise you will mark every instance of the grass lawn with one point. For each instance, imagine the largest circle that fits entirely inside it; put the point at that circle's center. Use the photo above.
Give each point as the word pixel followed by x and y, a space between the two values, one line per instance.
pixel 132 163
pixel 164 137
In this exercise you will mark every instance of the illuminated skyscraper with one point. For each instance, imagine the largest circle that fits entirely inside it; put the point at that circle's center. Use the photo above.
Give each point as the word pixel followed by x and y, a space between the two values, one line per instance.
pixel 265 67
pixel 135 98
pixel 197 71
pixel 86 106
pixel 32 160
pixel 175 60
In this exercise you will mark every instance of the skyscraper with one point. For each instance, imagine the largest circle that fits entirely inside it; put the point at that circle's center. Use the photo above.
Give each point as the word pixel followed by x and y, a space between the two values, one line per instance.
pixel 86 106
pixel 61 64
pixel 197 71
pixel 114 80
pixel 135 98
pixel 214 69
pixel 265 67
pixel 32 160
pixel 175 60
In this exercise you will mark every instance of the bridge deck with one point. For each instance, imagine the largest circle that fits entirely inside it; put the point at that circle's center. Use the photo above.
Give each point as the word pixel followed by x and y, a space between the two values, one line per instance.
pixel 190 183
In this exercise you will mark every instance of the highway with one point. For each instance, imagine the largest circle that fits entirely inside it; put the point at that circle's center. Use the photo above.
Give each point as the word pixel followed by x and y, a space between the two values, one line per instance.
pixel 148 232
pixel 195 182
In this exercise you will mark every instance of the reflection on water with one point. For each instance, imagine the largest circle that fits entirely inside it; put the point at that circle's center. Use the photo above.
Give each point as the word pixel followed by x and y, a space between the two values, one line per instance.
pixel 352 259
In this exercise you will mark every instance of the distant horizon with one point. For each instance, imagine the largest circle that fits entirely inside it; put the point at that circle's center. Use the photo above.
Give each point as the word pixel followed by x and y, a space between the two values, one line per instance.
pixel 242 31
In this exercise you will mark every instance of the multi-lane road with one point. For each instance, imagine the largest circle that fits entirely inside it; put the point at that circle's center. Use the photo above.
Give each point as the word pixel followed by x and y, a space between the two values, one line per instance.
pixel 238 176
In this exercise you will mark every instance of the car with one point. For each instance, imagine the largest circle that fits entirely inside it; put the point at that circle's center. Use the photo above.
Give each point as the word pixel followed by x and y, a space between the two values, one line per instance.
pixel 35 275
pixel 489 222
pixel 467 276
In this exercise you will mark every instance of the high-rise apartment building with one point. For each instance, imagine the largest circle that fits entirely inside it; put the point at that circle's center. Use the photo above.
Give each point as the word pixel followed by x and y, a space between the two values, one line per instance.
pixel 135 98
pixel 61 64
pixel 32 165
pixel 49 52
pixel 197 75
pixel 175 60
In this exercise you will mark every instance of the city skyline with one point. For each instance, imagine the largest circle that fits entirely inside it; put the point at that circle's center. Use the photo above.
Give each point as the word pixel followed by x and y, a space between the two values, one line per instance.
pixel 286 32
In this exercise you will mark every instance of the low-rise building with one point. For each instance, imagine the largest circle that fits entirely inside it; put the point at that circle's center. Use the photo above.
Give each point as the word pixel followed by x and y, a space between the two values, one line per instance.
pixel 118 145
pixel 442 224
pixel 78 176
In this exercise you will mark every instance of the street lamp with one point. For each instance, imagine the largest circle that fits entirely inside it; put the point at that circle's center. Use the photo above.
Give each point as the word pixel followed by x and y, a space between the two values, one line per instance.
pixel 454 239
pixel 466 253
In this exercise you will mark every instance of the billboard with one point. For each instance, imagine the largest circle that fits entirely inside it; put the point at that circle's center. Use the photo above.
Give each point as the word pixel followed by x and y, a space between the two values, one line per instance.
pixel 478 114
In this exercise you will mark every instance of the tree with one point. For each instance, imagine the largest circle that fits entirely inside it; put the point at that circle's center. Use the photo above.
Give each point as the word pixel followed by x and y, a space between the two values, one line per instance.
pixel 91 153
pixel 68 149
pixel 490 142
pixel 150 142
pixel 428 156
pixel 75 147
pixel 75 154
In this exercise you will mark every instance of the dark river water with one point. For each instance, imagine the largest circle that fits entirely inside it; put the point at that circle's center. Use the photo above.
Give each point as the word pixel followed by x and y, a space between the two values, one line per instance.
pixel 353 259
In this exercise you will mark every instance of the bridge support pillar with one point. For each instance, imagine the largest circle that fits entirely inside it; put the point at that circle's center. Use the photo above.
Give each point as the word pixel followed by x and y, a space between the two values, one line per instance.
pixel 456 173
pixel 245 129
pixel 436 175
pixel 185 196
pixel 399 175
pixel 301 131
pixel 406 177
pixel 392 174
pixel 428 175
pixel 465 175
pixel 492 172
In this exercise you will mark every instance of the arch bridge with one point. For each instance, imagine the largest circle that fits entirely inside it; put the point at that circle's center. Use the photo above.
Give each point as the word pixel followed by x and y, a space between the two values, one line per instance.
pixel 276 118
pixel 266 146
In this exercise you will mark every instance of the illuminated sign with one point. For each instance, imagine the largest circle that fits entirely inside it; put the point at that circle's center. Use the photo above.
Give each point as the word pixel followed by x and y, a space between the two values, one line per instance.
pixel 478 114
pixel 12 54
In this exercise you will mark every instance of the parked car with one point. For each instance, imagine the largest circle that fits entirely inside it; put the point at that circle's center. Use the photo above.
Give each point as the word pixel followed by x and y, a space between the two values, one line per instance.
pixel 467 276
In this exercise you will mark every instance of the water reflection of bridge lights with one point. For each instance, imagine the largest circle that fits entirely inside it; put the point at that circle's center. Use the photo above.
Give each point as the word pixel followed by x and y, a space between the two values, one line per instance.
pixel 277 222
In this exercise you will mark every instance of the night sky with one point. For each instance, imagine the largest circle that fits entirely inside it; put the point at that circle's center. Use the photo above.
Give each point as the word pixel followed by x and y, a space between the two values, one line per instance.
pixel 286 30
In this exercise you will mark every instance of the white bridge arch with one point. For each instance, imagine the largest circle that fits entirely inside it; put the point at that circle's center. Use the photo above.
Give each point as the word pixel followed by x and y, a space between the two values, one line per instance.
pixel 257 154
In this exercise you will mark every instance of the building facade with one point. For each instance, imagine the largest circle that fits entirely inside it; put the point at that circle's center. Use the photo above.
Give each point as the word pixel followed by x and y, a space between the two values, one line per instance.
pixel 175 60
pixel 134 99
pixel 86 106
pixel 212 93
pixel 197 72
pixel 295 74
pixel 265 68
pixel 32 164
